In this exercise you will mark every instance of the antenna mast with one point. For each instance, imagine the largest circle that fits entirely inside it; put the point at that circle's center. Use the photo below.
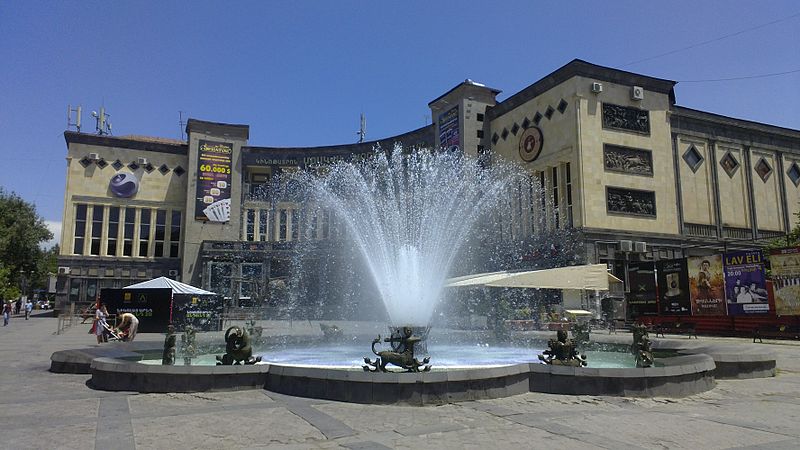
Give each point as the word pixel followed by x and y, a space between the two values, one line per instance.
pixel 181 124
pixel 103 125
pixel 77 123
pixel 362 133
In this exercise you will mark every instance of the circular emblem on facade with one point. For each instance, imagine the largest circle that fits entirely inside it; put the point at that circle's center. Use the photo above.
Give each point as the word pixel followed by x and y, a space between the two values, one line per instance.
pixel 124 185
pixel 530 144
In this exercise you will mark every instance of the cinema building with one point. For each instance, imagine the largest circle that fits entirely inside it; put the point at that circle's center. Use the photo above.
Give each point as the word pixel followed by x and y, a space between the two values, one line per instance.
pixel 641 177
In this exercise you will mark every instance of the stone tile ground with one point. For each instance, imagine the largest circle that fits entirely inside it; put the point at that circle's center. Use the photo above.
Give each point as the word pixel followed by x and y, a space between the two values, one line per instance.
pixel 39 409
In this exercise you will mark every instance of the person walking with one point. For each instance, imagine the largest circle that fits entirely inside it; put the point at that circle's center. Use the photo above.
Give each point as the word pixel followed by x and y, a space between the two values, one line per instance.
pixel 6 312
pixel 100 324
pixel 28 309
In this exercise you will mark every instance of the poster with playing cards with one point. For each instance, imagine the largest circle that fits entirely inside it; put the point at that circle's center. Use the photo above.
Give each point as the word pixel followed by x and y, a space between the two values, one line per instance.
pixel 213 203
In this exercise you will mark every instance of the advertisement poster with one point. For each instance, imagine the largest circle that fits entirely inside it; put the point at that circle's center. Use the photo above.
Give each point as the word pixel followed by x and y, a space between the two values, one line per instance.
pixel 448 129
pixel 785 264
pixel 745 283
pixel 642 298
pixel 203 312
pixel 213 201
pixel 707 285
pixel 151 306
pixel 673 287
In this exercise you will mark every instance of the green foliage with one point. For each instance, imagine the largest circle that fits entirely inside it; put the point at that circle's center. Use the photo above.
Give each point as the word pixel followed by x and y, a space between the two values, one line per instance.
pixel 792 239
pixel 22 231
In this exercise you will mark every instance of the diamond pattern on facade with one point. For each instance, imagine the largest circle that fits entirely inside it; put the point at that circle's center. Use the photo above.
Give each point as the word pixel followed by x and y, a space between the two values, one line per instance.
pixel 562 106
pixel 133 166
pixel 495 138
pixel 117 165
pixel 85 161
pixel 729 164
pixel 515 129
pixel 149 168
pixel 794 174
pixel 693 158
pixel 504 134
pixel 163 169
pixel 537 118
pixel 102 164
pixel 549 112
pixel 179 171
pixel 526 123
pixel 763 169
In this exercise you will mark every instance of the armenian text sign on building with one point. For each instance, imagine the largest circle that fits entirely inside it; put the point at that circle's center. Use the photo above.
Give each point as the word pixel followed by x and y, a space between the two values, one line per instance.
pixel 213 195
pixel 707 285
pixel 785 264
pixel 745 283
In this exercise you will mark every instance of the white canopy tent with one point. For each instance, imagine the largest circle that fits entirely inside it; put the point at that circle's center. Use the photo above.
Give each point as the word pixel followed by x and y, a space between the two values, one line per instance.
pixel 588 277
pixel 176 286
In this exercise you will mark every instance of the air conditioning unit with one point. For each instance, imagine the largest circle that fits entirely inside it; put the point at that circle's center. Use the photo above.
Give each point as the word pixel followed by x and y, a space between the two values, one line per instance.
pixel 640 247
pixel 625 246
pixel 173 273
pixel 93 156
pixel 597 87
pixel 141 161
pixel 63 270
pixel 637 93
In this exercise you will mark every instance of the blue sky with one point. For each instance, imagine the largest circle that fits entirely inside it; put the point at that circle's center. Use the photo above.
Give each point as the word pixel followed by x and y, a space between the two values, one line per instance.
pixel 300 73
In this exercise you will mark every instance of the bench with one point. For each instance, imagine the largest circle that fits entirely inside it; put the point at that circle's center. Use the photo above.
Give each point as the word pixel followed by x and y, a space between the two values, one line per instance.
pixel 676 328
pixel 776 331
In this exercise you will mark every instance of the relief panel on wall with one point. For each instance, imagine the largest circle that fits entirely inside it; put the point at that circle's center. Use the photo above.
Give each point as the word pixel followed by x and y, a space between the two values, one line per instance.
pixel 628 160
pixel 630 202
pixel 626 118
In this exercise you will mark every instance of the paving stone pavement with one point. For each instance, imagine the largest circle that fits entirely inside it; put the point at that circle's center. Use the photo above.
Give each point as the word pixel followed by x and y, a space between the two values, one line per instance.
pixel 39 409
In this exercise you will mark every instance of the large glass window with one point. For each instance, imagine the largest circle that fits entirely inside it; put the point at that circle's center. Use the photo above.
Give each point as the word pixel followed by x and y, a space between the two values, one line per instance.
pixel 263 225
pixel 160 232
pixel 80 229
pixel 220 278
pixel 251 280
pixel 175 234
pixel 128 231
pixel 294 217
pixel 144 232
pixel 251 225
pixel 74 289
pixel 97 229
pixel 113 230
pixel 283 223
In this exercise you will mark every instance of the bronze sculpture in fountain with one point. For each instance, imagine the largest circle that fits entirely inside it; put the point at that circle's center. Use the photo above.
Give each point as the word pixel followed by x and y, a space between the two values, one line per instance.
pixel 237 348
pixel 168 356
pixel 641 347
pixel 331 332
pixel 404 358
pixel 189 345
pixel 580 333
pixel 562 352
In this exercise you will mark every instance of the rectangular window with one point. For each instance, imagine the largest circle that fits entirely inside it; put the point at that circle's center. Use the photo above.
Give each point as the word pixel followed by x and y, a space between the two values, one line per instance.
pixel 568 187
pixel 175 234
pixel 480 134
pixel 556 215
pixel 97 229
pixel 326 224
pixel 251 225
pixel 128 231
pixel 283 223
pixel 263 225
pixel 80 229
pixel 113 230
pixel 144 231
pixel 295 221
pixel 219 279
pixel 160 232
pixel 250 286
pixel 479 116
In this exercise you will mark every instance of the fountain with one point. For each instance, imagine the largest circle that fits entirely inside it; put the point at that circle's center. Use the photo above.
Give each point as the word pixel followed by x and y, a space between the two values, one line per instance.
pixel 410 215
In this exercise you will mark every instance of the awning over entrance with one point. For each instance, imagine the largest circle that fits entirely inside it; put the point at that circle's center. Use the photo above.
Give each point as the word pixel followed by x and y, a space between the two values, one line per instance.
pixel 589 277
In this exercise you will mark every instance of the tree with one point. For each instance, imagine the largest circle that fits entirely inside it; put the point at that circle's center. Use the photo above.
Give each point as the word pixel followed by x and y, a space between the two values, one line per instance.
pixel 792 238
pixel 22 231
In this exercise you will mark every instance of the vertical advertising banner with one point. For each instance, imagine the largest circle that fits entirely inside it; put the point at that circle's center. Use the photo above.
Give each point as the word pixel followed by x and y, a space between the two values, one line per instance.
pixel 785 264
pixel 745 283
pixel 448 129
pixel 642 298
pixel 707 285
pixel 213 195
pixel 673 287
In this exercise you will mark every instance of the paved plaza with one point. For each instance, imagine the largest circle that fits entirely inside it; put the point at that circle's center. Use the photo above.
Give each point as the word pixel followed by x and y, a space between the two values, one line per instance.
pixel 46 410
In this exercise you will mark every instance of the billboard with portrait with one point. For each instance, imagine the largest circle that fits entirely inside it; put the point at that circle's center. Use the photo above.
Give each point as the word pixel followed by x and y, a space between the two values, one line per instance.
pixel 745 283
pixel 673 287
pixel 785 265
pixel 448 129
pixel 707 285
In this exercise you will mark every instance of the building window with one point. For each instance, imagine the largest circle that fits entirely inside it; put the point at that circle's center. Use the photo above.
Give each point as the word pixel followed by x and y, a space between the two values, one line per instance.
pixel 97 229
pixel 480 134
pixel 259 186
pixel 549 112
pixel 479 117
pixel 251 283
pixel 763 169
pixel 144 232
pixel 556 215
pixel 128 232
pixel 326 224
pixel 794 174
pixel 251 225
pixel 294 219
pixel 693 158
pixel 161 232
pixel 515 129
pixel 729 164
pixel 219 279
pixel 80 229
pixel 113 230
pixel 568 187
pixel 283 223
pixel 174 234
pixel 263 225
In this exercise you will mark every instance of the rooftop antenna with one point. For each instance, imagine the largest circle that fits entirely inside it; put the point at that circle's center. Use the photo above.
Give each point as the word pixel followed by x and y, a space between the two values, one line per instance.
pixel 77 123
pixel 182 124
pixel 362 133
pixel 103 125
